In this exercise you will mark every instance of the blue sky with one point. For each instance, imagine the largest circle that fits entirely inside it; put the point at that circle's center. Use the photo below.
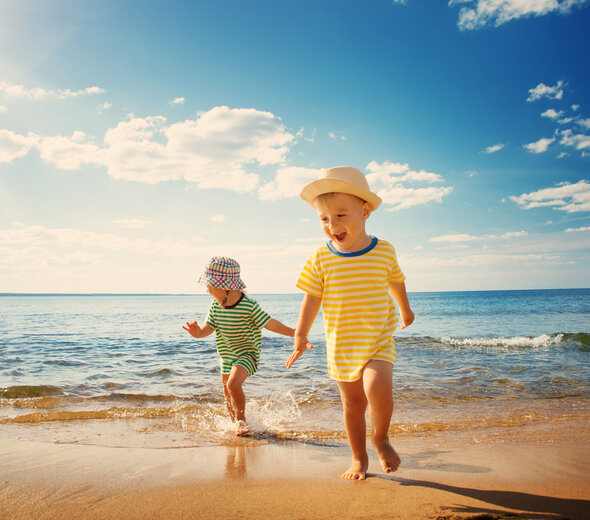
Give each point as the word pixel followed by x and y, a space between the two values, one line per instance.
pixel 140 138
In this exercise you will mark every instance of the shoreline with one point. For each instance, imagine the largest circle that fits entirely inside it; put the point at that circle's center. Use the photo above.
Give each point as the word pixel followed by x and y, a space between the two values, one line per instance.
pixel 535 474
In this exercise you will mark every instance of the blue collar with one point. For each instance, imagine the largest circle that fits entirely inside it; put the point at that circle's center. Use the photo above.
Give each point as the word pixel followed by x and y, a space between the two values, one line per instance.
pixel 354 253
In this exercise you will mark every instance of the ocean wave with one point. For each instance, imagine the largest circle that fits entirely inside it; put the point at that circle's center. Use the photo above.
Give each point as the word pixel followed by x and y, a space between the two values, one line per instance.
pixel 542 341
pixel 210 425
pixel 163 373
pixel 580 340
pixel 24 391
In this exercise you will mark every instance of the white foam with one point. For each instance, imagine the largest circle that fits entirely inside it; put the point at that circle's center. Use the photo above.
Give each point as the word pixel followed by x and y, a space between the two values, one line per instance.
pixel 538 342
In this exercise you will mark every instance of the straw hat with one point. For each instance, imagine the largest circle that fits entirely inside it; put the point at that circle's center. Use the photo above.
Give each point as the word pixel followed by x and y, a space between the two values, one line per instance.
pixel 341 179
pixel 223 273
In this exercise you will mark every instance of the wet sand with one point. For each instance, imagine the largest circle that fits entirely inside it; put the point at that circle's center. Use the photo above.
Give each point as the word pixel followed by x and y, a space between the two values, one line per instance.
pixel 534 475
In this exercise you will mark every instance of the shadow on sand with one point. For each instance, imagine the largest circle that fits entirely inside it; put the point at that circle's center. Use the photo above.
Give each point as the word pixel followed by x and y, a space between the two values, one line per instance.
pixel 536 506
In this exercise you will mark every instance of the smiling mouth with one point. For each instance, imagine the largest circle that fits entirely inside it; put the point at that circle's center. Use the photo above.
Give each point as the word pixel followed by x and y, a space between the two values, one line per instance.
pixel 340 237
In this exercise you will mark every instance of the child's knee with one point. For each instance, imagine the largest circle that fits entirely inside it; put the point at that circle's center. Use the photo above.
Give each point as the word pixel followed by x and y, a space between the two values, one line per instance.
pixel 234 385
pixel 357 404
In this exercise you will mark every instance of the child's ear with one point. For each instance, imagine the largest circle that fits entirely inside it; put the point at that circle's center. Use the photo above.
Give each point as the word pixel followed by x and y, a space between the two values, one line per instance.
pixel 366 210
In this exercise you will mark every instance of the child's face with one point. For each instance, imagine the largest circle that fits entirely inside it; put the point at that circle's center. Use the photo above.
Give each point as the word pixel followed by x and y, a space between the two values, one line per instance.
pixel 343 219
pixel 216 292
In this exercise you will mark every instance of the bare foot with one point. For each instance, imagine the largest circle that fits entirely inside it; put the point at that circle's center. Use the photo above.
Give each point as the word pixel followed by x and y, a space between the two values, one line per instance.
pixel 357 470
pixel 242 428
pixel 388 457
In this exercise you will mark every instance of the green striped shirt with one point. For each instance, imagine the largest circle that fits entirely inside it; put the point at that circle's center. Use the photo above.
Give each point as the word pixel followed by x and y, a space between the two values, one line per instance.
pixel 237 328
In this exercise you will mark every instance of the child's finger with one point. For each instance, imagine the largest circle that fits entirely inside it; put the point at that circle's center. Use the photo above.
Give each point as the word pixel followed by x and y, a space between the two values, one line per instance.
pixel 292 358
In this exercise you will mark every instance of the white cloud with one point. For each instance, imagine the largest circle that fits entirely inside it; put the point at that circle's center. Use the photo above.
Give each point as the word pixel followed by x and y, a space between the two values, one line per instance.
pixel 540 146
pixel 552 114
pixel 453 238
pixel 40 94
pixel 480 13
pixel 542 90
pixel 573 230
pixel 288 182
pixel 301 135
pixel 571 198
pixel 510 234
pixel 388 174
pixel 37 258
pixel 3 108
pixel 566 137
pixel 57 239
pixel 105 106
pixel 458 238
pixel 578 141
pixel 388 179
pixel 401 197
pixel 14 146
pixel 336 137
pixel 132 223
pixel 218 218
pixel 68 153
pixel 494 148
pixel 557 116
pixel 214 150
pixel 177 101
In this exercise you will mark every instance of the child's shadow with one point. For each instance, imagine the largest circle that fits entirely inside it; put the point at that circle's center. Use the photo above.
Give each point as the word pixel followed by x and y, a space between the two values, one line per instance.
pixel 540 505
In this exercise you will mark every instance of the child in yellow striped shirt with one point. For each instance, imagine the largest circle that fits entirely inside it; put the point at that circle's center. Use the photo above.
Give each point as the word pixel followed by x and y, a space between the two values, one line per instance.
pixel 353 277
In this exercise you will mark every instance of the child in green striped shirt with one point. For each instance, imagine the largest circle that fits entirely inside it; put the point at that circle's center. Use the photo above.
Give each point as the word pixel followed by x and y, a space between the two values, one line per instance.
pixel 237 321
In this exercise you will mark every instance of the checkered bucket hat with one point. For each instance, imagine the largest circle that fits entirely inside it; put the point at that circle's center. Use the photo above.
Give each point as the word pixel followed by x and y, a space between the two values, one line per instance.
pixel 223 273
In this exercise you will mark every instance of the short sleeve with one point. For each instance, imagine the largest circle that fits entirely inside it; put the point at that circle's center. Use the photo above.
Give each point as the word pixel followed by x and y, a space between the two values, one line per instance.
pixel 211 317
pixel 310 280
pixel 394 273
pixel 259 317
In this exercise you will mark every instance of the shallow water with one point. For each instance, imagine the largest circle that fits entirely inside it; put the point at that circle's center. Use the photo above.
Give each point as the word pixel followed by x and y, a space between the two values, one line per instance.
pixel 120 370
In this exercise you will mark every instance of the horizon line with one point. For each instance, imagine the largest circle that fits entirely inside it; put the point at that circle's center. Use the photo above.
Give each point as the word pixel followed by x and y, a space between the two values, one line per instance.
pixel 2 294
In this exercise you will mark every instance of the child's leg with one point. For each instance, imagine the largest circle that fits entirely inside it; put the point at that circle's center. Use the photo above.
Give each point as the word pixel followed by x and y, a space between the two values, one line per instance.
pixel 236 379
pixel 378 386
pixel 230 408
pixel 354 404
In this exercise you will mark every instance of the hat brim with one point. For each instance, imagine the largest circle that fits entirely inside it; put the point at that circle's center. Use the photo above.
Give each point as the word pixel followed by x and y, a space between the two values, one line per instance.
pixel 316 188
pixel 231 285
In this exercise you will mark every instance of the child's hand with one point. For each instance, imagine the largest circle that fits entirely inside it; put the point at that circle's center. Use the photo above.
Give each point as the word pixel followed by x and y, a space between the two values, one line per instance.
pixel 407 318
pixel 193 329
pixel 301 345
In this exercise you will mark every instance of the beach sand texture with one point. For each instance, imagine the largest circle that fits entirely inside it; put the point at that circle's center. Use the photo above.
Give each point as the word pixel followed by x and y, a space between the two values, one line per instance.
pixel 542 473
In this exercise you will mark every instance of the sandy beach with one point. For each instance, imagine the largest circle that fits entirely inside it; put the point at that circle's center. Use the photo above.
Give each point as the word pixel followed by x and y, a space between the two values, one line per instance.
pixel 536 472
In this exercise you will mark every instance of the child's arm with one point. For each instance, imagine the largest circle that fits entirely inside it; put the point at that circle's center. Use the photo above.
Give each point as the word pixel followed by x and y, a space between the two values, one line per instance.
pixel 400 296
pixel 198 332
pixel 276 326
pixel 309 311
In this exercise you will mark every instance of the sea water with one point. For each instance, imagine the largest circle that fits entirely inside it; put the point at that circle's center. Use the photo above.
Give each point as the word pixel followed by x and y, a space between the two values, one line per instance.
pixel 120 370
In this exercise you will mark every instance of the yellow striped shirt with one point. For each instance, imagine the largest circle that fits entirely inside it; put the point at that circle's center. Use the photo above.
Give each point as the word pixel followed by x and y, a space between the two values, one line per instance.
pixel 359 315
